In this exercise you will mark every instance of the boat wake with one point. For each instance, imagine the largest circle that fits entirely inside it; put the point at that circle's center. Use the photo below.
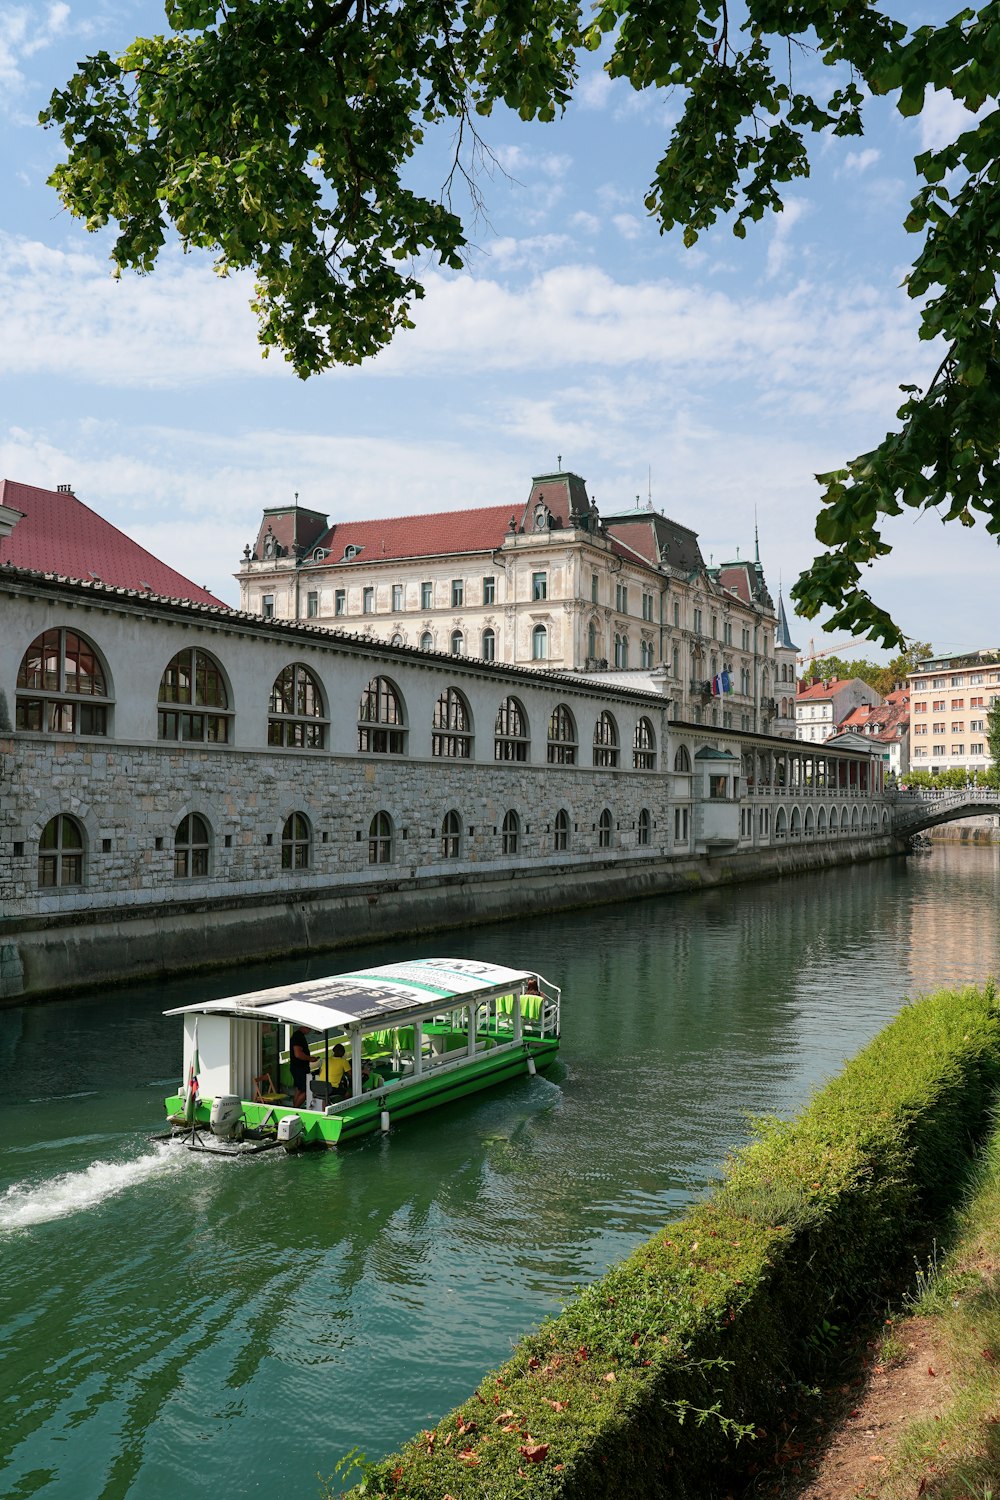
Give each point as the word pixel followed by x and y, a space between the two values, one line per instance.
pixel 26 1204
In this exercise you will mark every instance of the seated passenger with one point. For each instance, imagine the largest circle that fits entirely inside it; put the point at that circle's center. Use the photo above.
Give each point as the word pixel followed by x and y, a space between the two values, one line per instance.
pixel 336 1072
pixel 369 1078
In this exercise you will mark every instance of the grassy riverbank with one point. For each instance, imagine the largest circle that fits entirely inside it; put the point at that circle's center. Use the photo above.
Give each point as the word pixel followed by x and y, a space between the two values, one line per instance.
pixel 663 1377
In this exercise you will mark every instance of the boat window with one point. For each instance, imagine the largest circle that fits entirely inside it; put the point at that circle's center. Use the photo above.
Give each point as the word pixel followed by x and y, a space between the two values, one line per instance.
pixel 62 686
pixel 380 839
pixel 60 853
pixel 295 842
pixel 562 829
pixel 191 847
pixel 193 700
pixel 295 716
pixel 381 722
pixel 644 826
pixel 604 829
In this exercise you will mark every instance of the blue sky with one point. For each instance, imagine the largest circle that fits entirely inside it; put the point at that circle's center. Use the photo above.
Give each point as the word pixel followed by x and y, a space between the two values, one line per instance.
pixel 721 377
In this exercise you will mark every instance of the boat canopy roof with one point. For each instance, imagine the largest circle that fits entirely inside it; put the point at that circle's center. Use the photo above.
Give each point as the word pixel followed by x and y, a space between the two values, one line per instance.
pixel 375 994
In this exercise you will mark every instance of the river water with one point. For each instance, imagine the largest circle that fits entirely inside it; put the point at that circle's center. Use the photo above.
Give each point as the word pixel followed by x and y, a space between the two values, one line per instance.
pixel 168 1320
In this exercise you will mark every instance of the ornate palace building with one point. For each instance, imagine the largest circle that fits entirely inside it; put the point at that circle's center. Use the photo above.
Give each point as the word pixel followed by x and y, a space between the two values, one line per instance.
pixel 549 584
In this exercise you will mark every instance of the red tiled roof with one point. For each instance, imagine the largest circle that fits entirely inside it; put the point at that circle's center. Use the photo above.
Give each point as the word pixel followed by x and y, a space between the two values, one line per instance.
pixel 432 535
pixel 819 690
pixel 59 534
pixel 736 576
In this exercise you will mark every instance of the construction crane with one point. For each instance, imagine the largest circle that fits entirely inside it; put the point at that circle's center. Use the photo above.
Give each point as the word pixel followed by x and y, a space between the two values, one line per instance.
pixel 814 655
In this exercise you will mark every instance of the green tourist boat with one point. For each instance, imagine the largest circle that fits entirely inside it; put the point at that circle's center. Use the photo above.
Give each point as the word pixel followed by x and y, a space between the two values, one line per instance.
pixel 382 1044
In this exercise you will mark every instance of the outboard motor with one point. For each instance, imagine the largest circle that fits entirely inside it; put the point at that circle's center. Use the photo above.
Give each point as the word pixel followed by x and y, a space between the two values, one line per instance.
pixel 290 1132
pixel 226 1119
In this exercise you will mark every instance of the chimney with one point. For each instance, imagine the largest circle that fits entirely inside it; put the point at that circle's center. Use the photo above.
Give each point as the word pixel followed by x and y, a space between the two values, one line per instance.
pixel 64 489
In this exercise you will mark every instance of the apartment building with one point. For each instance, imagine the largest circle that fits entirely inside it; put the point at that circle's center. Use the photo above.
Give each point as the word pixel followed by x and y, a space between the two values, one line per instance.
pixel 821 706
pixel 549 584
pixel 950 697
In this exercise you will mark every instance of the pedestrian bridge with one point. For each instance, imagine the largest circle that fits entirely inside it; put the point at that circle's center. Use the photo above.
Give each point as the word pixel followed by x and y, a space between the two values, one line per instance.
pixel 914 811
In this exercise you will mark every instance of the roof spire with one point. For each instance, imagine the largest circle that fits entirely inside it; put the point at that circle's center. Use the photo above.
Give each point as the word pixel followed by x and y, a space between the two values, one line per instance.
pixel 756 537
pixel 559 463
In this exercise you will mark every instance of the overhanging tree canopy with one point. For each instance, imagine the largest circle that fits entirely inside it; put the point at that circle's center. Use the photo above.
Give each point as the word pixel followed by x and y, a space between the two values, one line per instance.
pixel 276 134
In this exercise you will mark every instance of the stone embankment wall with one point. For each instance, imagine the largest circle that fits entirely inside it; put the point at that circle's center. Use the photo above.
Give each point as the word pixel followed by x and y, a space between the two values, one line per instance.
pixel 968 831
pixel 58 953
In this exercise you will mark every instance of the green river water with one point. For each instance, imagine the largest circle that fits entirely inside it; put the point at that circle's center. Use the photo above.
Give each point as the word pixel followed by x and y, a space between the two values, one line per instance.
pixel 169 1321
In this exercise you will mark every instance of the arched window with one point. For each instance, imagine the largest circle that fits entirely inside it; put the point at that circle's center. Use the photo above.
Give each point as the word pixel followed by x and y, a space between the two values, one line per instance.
pixel 457 643
pixel 562 830
pixel 452 726
pixel 451 836
pixel 539 643
pixel 191 847
pixel 489 646
pixel 644 746
pixel 682 760
pixel 618 650
pixel 604 830
pixel 592 641
pixel 427 641
pixel 295 842
pixel 295 716
pixel 605 741
pixel 62 686
pixel 624 652
pixel 380 839
pixel 561 750
pixel 193 702
pixel 646 654
pixel 511 732
pixel 381 726
pixel 60 852
pixel 511 832
pixel 676 662
pixel 645 826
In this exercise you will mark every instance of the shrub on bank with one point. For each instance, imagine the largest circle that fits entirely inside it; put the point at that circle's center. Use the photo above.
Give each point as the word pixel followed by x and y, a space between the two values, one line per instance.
pixel 660 1378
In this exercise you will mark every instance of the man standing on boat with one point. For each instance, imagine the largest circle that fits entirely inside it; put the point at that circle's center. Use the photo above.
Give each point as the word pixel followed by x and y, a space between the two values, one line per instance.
pixel 299 1060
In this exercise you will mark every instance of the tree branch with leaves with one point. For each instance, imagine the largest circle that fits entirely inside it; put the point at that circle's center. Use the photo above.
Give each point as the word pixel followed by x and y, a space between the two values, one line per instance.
pixel 276 134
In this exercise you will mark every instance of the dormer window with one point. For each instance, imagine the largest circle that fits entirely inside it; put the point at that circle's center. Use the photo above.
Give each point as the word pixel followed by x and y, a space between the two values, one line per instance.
pixel 542 517
pixel 319 555
pixel 351 550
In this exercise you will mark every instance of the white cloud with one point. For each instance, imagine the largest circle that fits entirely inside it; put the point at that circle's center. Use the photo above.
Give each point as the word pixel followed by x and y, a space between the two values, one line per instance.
pixel 942 119
pixel 779 249
pixel 25 30
pixel 61 311
pixel 588 223
pixel 62 315
pixel 595 90
pixel 860 161
pixel 508 252
pixel 628 226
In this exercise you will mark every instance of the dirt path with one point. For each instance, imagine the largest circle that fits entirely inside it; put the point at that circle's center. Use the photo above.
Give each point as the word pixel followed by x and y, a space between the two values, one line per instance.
pixel 844 1460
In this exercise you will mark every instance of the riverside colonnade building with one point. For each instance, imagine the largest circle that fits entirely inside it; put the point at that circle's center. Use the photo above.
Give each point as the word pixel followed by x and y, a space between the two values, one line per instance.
pixel 183 784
